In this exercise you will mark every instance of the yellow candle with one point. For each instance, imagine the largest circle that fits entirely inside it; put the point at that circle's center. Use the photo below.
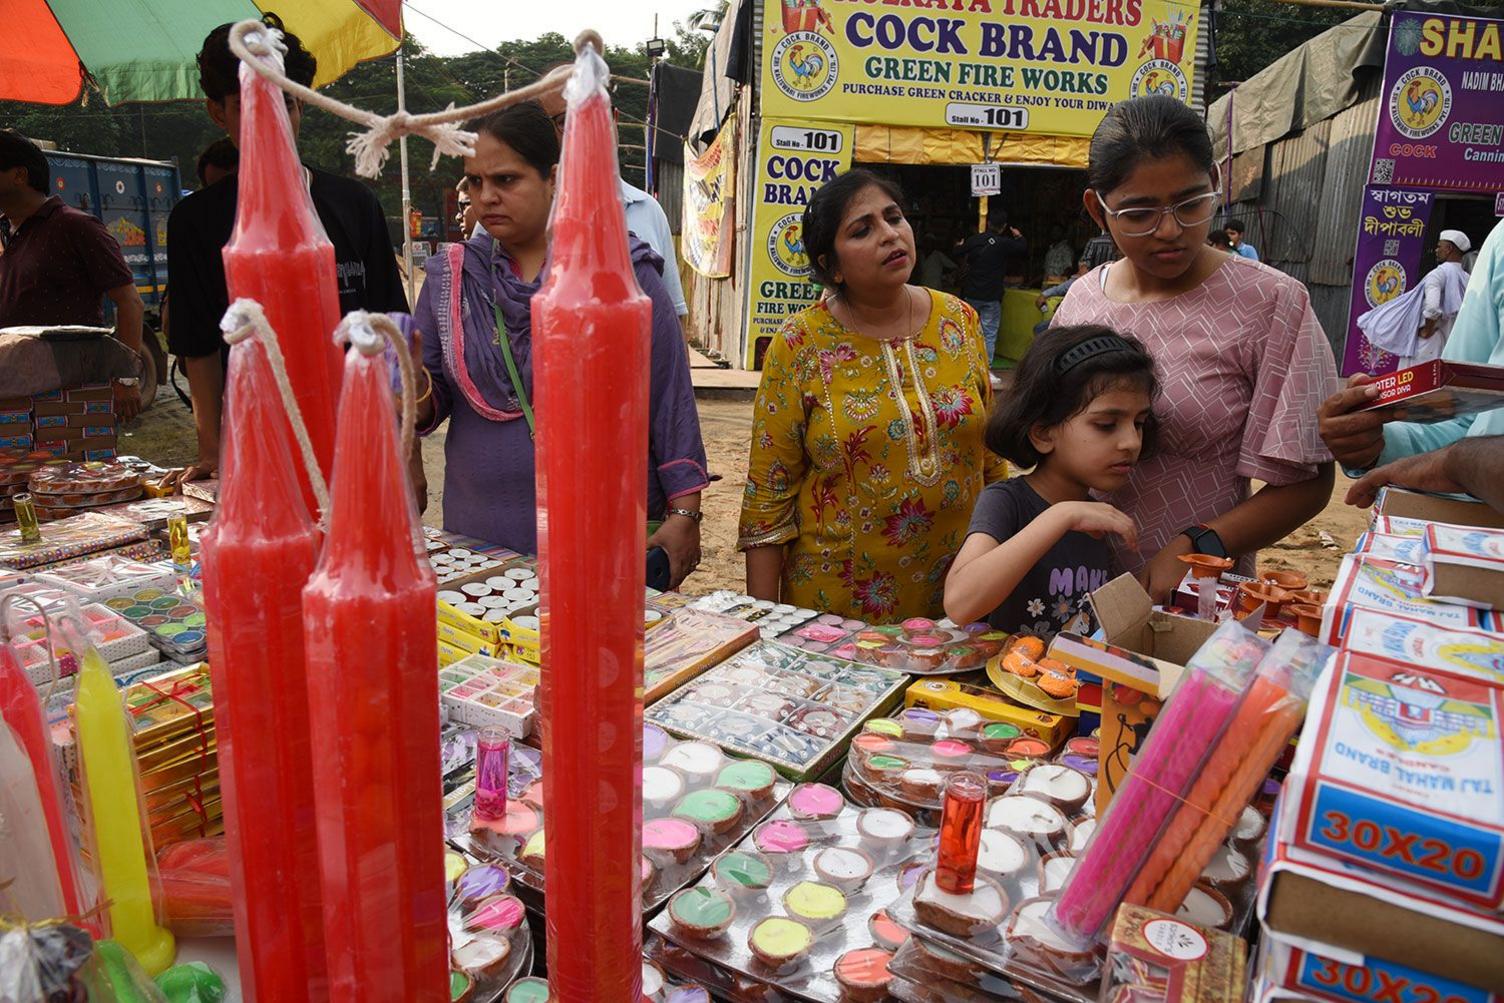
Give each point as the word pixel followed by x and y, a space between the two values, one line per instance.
pixel 110 787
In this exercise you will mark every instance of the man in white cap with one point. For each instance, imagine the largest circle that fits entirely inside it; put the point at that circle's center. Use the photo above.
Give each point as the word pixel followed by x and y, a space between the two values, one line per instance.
pixel 1415 325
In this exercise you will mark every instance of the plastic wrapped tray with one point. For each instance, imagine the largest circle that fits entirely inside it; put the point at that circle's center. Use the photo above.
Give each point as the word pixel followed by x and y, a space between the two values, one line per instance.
pixel 174 620
pixel 483 691
pixel 490 941
pixel 102 578
pixel 772 619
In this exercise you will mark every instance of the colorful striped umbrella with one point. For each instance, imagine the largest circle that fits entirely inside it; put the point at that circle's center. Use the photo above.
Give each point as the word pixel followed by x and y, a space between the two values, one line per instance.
pixel 143 50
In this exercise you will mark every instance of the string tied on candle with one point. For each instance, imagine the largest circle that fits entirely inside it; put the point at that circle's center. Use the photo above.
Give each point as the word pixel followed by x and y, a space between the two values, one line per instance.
pixel 258 45
pixel 370 334
pixel 245 319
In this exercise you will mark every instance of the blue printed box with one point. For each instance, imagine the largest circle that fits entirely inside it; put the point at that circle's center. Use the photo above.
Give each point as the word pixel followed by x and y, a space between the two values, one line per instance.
pixel 52 421
pixel 99 407
pixel 99 454
pixel 1374 981
pixel 14 418
pixel 15 442
pixel 98 431
pixel 1404 775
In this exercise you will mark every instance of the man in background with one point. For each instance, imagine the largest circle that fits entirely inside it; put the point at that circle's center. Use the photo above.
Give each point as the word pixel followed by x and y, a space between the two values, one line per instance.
pixel 1415 325
pixel 1060 258
pixel 989 257
pixel 59 263
pixel 1239 245
pixel 219 160
pixel 646 218
pixel 1099 250
pixel 200 227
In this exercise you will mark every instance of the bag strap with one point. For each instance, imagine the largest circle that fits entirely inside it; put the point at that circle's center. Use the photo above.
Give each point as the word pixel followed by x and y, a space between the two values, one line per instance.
pixel 505 341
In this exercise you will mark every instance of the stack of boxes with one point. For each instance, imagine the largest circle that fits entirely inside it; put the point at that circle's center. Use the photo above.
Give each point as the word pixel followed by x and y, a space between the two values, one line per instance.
pixel 77 423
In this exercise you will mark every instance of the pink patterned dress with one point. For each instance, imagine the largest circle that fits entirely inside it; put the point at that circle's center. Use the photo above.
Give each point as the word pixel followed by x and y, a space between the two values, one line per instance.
pixel 1243 365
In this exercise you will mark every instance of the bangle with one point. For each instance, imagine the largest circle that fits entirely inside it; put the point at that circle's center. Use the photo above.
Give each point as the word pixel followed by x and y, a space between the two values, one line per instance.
pixel 428 391
pixel 689 514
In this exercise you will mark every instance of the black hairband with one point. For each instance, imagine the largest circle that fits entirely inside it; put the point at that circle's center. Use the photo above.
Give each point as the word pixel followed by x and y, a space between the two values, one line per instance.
pixel 1105 344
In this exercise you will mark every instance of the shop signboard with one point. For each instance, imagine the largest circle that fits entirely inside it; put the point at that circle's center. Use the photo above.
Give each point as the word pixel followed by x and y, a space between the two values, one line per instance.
pixel 1391 244
pixel 1441 114
pixel 1041 66
pixel 986 179
pixel 709 203
pixel 793 160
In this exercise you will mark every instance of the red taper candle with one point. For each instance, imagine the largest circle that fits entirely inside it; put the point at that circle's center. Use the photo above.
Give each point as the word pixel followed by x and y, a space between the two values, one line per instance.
pixel 591 329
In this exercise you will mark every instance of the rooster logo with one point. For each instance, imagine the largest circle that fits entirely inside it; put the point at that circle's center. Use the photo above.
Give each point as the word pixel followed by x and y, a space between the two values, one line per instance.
pixel 1386 280
pixel 804 65
pixel 1420 102
pixel 786 246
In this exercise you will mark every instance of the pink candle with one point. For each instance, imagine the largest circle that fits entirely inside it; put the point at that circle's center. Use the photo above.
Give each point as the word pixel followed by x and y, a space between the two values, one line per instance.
pixel 591 327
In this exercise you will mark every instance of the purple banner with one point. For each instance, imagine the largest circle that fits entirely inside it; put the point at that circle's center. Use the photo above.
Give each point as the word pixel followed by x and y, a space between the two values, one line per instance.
pixel 1441 114
pixel 1391 242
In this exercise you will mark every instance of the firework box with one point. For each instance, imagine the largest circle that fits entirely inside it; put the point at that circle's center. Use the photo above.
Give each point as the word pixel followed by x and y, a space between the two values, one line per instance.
pixel 951 693
pixel 1464 564
pixel 1396 589
pixel 1155 958
pixel 1406 504
pixel 1401 772
pixel 1329 974
pixel 1415 642
pixel 1439 391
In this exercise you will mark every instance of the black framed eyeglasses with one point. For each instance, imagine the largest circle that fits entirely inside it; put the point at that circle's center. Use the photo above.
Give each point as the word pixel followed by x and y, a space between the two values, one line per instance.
pixel 1140 221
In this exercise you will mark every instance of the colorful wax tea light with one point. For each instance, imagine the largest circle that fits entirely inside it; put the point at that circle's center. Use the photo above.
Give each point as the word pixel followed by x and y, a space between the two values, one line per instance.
pixel 113 802
pixel 960 832
pixel 591 337
pixel 26 518
pixel 492 746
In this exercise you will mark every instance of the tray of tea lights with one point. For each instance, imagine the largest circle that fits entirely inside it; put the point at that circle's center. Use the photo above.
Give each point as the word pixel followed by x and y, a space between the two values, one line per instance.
pixel 786 706
pixel 490 942
pixel 801 903
pixel 696 802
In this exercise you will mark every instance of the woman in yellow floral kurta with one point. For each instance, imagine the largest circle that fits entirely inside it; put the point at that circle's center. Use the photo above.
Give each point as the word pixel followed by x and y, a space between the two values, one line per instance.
pixel 868 491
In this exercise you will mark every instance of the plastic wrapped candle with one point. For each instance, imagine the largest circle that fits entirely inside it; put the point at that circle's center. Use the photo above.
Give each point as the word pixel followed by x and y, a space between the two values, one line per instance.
pixel 590 354
pixel 371 636
pixel 491 748
pixel 29 887
pixel 280 256
pixel 21 711
pixel 960 832
pixel 257 556
pixel 112 800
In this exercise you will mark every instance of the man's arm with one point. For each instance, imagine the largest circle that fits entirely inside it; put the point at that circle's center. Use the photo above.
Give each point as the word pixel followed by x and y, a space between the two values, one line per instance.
pixel 129 311
pixel 1474 465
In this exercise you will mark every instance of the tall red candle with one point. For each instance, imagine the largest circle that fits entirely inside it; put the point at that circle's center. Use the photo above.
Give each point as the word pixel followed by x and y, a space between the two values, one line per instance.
pixel 257 556
pixel 21 709
pixel 280 256
pixel 371 634
pixel 591 329
pixel 960 832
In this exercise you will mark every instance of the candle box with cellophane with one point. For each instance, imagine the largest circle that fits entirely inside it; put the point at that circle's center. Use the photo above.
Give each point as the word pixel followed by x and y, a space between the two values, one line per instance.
pixel 1439 391
pixel 1396 502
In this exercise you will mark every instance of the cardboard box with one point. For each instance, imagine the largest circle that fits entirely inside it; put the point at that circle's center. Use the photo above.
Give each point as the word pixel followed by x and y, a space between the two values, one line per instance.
pixel 1405 549
pixel 1438 391
pixel 1395 589
pixel 90 392
pixel 482 691
pixel 1400 772
pixel 17 441
pixel 1324 975
pixel 950 693
pixel 99 407
pixel 57 433
pixel 16 403
pixel 104 422
pixel 1393 501
pixel 57 408
pixel 1156 958
pixel 449 654
pixel 1413 641
pixel 11 418
pixel 1139 653
pixel 467 642
pixel 1464 565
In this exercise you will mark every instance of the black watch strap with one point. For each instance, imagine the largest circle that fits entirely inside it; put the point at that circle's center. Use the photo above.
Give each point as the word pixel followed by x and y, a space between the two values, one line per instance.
pixel 1206 541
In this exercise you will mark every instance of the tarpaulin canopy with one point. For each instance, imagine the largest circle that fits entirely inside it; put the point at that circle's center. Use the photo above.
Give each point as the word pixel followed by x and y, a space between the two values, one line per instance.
pixel 881 144
pixel 143 50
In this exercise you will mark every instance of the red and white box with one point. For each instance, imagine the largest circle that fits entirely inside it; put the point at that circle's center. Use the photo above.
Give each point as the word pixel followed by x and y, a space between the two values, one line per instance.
pixel 1439 391
pixel 1464 564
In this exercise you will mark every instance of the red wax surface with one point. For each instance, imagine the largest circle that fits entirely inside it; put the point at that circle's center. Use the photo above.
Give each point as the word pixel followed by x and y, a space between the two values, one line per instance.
pixel 280 256
pixel 257 556
pixel 960 833
pixel 21 709
pixel 371 633
pixel 591 328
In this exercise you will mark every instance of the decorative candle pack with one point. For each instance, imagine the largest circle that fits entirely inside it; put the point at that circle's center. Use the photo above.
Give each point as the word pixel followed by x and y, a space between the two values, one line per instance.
pixel 1394 589
pixel 1155 958
pixel 972 693
pixel 801 904
pixel 772 619
pixel 688 642
pixel 828 633
pixel 454 557
pixel 1464 565
pixel 696 802
pixel 174 620
pixel 1399 772
pixel 788 707
pixel 923 647
pixel 480 602
pixel 120 643
pixel 490 941
pixel 479 690
pixel 1025 673
pixel 75 536
pixel 107 577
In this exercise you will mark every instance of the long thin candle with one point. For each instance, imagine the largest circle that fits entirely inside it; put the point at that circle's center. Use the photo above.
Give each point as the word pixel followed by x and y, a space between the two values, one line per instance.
pixel 280 256
pixel 591 327
pixel 371 636
pixel 113 800
pixel 21 710
pixel 257 556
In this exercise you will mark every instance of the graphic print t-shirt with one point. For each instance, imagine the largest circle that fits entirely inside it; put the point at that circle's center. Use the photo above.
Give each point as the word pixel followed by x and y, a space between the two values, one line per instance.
pixel 1049 595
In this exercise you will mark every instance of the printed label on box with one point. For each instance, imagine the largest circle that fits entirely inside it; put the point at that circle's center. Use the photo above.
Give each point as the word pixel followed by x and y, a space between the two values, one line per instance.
pixel 15 417
pixel 1376 981
pixel 1415 642
pixel 1406 549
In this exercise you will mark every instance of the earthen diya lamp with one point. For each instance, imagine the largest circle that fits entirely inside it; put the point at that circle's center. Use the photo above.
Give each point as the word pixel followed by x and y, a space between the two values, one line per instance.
pixel 1251 595
pixel 1290 581
pixel 1307 619
pixel 1206 566
pixel 1309 597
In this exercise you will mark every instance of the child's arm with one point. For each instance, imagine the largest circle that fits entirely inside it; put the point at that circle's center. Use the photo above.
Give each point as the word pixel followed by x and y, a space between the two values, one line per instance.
pixel 987 571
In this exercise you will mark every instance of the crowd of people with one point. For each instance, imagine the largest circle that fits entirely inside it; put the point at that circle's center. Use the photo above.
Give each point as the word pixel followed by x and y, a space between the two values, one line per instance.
pixel 1183 398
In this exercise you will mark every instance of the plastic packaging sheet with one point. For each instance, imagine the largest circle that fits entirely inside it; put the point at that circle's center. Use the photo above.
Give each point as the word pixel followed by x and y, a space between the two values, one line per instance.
pixel 1200 709
pixel 801 903
pixel 58 963
pixel 490 941
pixel 193 892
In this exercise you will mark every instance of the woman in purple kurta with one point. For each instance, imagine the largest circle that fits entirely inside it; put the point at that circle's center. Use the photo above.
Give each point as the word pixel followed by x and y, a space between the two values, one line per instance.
pixel 488 456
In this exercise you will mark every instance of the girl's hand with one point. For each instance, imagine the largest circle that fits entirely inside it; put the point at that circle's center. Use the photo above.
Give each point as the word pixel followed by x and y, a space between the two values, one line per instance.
pixel 1165 570
pixel 1098 519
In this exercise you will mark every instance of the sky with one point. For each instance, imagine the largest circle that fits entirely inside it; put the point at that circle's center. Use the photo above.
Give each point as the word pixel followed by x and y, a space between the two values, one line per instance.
pixel 488 22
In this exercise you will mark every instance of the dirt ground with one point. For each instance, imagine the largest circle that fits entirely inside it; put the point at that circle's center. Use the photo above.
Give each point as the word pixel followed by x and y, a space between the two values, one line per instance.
pixel 165 434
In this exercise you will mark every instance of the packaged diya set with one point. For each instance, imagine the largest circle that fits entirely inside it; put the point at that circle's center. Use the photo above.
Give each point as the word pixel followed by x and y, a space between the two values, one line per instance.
pixel 454 557
pixel 490 942
pixel 481 691
pixel 105 577
pixel 121 644
pixel 902 762
pixel 922 647
pixel 65 539
pixel 696 802
pixel 1023 672
pixel 801 904
pixel 685 644
pixel 772 619
pixel 785 706
pixel 173 620
pixel 63 489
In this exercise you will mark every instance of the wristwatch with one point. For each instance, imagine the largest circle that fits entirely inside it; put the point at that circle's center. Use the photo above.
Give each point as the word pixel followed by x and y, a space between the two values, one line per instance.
pixel 1205 540
pixel 686 513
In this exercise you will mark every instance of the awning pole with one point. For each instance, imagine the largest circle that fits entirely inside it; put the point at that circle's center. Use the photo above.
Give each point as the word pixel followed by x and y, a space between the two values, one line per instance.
pixel 407 195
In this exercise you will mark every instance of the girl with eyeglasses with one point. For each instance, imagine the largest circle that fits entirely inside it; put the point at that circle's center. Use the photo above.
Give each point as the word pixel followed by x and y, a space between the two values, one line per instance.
pixel 1242 361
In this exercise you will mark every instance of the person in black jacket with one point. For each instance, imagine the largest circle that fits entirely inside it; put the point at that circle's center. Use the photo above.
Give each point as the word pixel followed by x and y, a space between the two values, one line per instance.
pixel 990 257
pixel 200 227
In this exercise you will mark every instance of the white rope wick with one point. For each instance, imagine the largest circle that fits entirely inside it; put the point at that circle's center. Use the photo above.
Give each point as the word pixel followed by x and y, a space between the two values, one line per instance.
pixel 245 319
pixel 257 46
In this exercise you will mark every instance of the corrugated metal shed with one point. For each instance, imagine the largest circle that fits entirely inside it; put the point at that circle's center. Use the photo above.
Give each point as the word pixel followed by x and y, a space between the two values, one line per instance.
pixel 1297 174
pixel 1349 147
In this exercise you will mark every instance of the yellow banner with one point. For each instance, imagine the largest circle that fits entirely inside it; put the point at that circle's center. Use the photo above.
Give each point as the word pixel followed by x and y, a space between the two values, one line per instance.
pixel 793 160
pixel 710 202
pixel 1042 66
